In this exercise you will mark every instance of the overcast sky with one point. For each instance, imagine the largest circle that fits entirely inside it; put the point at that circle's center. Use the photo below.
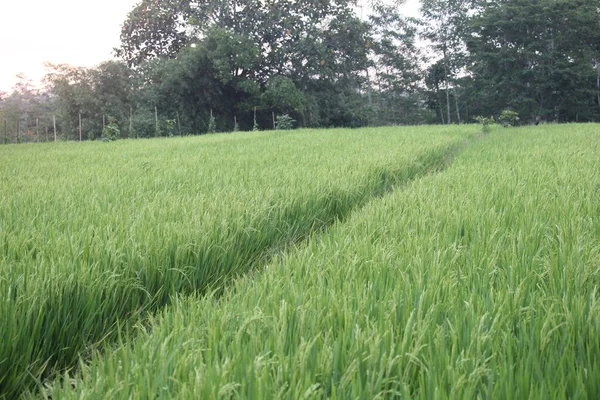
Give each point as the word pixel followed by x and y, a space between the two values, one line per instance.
pixel 75 32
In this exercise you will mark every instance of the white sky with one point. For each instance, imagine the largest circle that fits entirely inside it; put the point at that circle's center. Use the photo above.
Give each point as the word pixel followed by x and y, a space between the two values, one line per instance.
pixel 75 32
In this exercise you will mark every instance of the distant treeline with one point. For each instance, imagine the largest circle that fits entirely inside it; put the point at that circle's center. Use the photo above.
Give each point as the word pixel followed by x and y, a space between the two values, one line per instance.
pixel 188 67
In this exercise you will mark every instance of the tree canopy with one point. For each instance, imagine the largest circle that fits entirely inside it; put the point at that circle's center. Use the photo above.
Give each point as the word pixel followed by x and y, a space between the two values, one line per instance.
pixel 185 64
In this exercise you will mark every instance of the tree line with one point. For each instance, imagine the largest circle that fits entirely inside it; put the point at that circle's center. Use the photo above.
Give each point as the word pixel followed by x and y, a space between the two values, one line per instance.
pixel 186 67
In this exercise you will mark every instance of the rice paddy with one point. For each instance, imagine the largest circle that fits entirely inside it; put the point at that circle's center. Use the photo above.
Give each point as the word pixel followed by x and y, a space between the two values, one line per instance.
pixel 94 237
pixel 385 263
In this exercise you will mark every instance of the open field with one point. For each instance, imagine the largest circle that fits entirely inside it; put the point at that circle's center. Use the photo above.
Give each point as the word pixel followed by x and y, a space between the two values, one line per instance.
pixel 480 281
pixel 95 236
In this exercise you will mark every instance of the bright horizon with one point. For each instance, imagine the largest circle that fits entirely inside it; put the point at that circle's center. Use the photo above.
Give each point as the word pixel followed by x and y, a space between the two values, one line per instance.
pixel 74 32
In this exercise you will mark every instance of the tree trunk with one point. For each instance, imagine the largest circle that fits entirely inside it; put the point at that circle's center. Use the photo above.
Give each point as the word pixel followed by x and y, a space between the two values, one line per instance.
pixel 447 88
pixel 369 88
pixel 448 103
pixel 156 129
pixel 131 121
pixel 440 106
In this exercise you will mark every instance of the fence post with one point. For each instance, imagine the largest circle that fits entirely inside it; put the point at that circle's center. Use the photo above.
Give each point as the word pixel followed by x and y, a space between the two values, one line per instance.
pixel 54 122
pixel 156 130
pixel 131 121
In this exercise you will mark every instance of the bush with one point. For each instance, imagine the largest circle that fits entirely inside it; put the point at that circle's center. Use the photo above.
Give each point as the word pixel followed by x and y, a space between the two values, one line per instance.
pixel 170 127
pixel 284 122
pixel 485 122
pixel 508 118
pixel 111 131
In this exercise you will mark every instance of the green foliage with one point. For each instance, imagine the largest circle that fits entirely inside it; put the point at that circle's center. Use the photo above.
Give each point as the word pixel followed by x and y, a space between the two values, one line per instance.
pixel 508 118
pixel 212 124
pixel 464 284
pixel 281 94
pixel 485 122
pixel 140 222
pixel 446 25
pixel 325 66
pixel 536 57
pixel 111 131
pixel 93 93
pixel 284 122
pixel 171 127
pixel 144 125
pixel 154 29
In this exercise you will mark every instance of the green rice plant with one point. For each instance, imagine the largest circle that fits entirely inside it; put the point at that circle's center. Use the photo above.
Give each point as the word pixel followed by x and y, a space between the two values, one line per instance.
pixel 94 236
pixel 477 282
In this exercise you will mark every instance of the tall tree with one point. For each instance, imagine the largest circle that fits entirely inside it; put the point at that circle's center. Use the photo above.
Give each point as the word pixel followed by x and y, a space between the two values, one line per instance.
pixel 21 109
pixel 536 57
pixel 445 26
pixel 154 29
pixel 92 93
pixel 314 44
pixel 396 62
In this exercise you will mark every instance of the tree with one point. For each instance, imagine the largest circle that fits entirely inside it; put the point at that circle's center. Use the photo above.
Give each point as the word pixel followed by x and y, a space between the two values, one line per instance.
pixel 93 93
pixel 536 57
pixel 154 29
pixel 71 90
pixel 249 42
pixel 22 109
pixel 396 60
pixel 282 95
pixel 446 26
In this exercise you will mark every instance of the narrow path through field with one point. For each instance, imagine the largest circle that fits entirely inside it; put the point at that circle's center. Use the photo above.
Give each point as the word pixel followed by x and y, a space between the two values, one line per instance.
pixel 388 181
pixel 389 184
pixel 112 273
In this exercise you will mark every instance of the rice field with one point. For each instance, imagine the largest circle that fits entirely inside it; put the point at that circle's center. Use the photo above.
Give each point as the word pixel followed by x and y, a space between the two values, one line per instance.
pixel 97 240
pixel 478 281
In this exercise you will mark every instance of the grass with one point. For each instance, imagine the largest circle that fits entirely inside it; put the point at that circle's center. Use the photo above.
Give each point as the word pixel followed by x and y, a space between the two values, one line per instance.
pixel 95 236
pixel 478 282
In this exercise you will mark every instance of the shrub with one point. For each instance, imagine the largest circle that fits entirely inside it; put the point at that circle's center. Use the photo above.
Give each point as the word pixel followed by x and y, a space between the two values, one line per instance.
pixel 111 131
pixel 508 118
pixel 485 122
pixel 284 122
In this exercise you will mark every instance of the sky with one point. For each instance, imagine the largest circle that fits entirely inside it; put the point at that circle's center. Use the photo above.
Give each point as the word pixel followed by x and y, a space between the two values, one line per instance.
pixel 76 32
